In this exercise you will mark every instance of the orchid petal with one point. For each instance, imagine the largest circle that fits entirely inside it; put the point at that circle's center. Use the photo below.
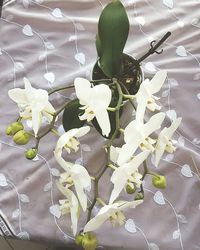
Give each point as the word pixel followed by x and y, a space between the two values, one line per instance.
pixel 175 124
pixel 103 119
pixel 18 95
pixel 114 153
pixel 128 150
pixel 81 180
pixel 82 131
pixel 101 96
pixel 36 120
pixel 104 213
pixel 159 151
pixel 83 90
pixel 119 179
pixel 64 164
pixel 157 81
pixel 153 124
pixel 129 204
pixel 74 206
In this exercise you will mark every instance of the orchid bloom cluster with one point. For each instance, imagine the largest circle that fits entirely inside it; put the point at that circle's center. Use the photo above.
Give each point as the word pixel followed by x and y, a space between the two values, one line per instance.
pixel 141 139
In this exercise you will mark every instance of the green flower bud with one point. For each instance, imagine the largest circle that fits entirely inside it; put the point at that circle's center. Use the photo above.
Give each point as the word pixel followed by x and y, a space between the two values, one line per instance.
pixel 21 137
pixel 139 196
pixel 159 181
pixel 14 128
pixel 79 239
pixel 9 130
pixel 130 188
pixel 89 241
pixel 31 153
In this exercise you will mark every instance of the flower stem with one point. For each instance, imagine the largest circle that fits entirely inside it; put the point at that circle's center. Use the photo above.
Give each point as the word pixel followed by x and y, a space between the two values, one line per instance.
pixel 108 145
pixel 127 93
pixel 51 125
pixel 101 80
pixel 59 89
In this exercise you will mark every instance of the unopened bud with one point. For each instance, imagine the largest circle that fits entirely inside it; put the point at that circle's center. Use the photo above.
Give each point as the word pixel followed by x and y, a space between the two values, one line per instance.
pixel 139 196
pixel 31 153
pixel 159 181
pixel 14 128
pixel 21 137
pixel 79 239
pixel 130 188
pixel 89 241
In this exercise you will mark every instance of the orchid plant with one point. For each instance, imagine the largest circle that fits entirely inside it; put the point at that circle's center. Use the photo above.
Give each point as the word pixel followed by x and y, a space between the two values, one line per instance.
pixel 99 105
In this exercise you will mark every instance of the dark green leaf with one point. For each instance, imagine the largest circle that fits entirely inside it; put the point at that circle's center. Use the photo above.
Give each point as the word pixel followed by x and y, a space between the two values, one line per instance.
pixel 113 29
pixel 71 115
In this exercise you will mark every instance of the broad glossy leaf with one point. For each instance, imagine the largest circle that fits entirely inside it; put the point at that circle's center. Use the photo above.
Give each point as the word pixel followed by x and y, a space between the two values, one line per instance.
pixel 71 115
pixel 113 29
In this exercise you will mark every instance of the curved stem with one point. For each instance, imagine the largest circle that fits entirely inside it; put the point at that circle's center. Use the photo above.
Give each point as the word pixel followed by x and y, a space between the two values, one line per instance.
pixel 108 145
pixel 51 124
pixel 59 89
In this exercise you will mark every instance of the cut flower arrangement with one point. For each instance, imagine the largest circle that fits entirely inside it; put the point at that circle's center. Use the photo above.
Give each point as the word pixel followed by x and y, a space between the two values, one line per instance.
pixel 117 81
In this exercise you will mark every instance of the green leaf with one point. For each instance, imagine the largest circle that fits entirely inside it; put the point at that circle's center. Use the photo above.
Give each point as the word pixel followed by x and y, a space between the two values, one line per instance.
pixel 71 115
pixel 113 29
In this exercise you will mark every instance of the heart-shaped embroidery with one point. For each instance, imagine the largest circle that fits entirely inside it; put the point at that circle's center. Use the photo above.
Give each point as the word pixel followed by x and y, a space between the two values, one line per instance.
pixel 159 198
pixel 55 210
pixel 171 114
pixel 168 3
pixel 27 30
pixel 181 51
pixel 130 226
pixel 149 66
pixel 80 57
pixel 50 77
pixel 140 20
pixel 186 171
pixel 57 13
pixel 3 181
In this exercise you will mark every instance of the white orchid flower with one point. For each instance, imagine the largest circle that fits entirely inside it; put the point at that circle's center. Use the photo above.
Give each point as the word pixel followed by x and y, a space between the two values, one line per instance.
pixel 95 101
pixel 127 172
pixel 137 134
pixel 75 175
pixel 164 142
pixel 69 205
pixel 69 140
pixel 33 104
pixel 145 95
pixel 113 212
